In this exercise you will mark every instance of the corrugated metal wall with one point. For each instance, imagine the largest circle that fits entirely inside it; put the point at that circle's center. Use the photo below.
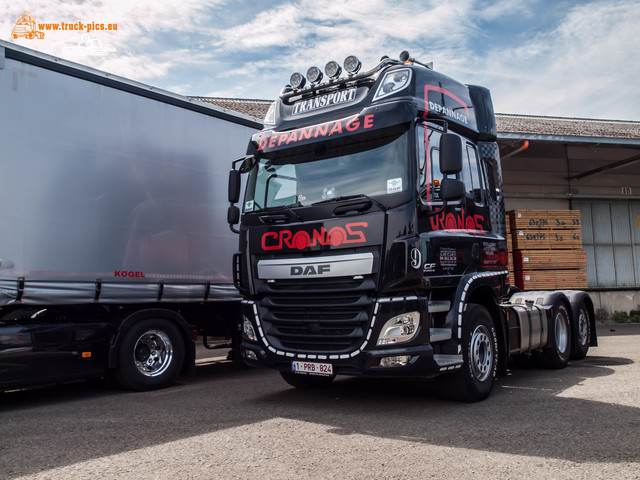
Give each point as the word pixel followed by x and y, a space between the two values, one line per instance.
pixel 611 239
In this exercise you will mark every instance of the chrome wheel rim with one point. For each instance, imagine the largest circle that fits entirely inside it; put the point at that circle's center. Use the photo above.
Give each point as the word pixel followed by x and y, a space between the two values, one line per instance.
pixel 562 332
pixel 153 353
pixel 481 353
pixel 583 328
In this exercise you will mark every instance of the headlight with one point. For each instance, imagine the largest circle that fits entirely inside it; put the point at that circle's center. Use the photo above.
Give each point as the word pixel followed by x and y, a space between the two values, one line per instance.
pixel 399 329
pixel 393 82
pixel 247 329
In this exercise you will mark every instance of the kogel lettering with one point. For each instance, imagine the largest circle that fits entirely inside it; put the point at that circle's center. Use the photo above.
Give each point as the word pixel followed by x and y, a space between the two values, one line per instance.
pixel 128 274
pixel 350 233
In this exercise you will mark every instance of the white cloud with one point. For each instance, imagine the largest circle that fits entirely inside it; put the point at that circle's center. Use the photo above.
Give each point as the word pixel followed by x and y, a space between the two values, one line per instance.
pixel 588 66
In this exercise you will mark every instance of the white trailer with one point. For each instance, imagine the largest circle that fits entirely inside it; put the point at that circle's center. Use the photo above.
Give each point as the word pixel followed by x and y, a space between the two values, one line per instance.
pixel 114 246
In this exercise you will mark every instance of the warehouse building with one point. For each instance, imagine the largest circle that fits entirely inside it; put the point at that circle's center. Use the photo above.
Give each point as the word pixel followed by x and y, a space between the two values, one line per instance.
pixel 556 163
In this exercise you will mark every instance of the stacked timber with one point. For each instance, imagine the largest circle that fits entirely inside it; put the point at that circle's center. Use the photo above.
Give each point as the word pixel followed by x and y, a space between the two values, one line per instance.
pixel 545 250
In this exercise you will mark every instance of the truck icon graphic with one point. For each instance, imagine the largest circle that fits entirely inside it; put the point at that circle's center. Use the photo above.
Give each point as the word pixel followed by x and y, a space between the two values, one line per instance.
pixel 26 27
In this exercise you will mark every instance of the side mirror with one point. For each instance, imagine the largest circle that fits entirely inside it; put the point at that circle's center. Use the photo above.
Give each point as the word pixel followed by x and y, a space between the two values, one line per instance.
pixel 247 164
pixel 452 189
pixel 234 186
pixel 450 154
pixel 233 215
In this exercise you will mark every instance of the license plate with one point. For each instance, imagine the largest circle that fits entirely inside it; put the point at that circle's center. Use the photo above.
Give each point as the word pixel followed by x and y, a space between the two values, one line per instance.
pixel 313 368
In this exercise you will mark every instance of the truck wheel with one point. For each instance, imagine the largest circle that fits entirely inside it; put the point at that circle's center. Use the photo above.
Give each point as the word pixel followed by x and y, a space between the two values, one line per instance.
pixel 474 381
pixel 150 356
pixel 582 331
pixel 306 381
pixel 556 354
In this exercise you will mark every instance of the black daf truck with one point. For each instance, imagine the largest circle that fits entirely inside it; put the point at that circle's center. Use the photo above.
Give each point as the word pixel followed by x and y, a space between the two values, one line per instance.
pixel 372 237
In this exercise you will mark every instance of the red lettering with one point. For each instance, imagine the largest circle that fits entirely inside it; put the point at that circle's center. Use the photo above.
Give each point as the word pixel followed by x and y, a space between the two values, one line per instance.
pixel 306 133
pixel 274 246
pixel 262 143
pixel 479 219
pixel 360 238
pixel 320 236
pixel 116 274
pixel 293 137
pixel 282 138
pixel 368 121
pixel 337 128
pixel 450 222
pixel 286 235
pixel 353 124
pixel 337 236
pixel 272 142
pixel 301 240
pixel 321 130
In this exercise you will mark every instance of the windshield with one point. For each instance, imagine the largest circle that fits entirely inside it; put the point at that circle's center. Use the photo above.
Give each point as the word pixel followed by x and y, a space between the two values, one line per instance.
pixel 374 164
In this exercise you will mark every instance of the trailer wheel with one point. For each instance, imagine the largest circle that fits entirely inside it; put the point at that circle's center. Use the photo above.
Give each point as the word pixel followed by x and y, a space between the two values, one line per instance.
pixel 150 355
pixel 474 381
pixel 582 331
pixel 557 353
pixel 307 381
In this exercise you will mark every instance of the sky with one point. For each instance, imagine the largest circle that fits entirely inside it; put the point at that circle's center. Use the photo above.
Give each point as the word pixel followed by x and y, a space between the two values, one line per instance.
pixel 576 59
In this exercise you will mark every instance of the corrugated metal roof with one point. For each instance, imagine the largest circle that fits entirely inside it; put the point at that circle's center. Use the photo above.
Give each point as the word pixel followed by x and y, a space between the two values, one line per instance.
pixel 507 123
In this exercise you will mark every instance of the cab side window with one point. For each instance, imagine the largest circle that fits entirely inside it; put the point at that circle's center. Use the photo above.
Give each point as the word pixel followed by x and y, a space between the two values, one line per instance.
pixel 472 176
pixel 428 148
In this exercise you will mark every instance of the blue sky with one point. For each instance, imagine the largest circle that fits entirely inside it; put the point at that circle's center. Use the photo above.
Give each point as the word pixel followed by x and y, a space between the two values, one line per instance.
pixel 538 57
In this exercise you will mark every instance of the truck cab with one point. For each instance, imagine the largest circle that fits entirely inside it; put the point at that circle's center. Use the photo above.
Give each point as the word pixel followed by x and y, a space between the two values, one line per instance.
pixel 372 233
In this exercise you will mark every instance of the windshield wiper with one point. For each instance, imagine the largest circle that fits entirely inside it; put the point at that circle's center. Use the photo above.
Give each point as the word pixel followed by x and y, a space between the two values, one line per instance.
pixel 352 197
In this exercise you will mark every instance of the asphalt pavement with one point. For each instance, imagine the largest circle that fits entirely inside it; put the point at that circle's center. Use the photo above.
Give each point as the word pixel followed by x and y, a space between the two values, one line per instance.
pixel 231 422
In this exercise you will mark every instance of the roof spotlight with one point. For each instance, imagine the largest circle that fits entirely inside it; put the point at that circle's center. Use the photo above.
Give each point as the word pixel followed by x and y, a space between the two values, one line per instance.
pixel 297 80
pixel 332 69
pixel 314 74
pixel 352 64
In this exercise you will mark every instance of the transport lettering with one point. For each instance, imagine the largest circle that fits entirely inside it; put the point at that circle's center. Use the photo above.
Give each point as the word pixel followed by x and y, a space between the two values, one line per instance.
pixel 322 101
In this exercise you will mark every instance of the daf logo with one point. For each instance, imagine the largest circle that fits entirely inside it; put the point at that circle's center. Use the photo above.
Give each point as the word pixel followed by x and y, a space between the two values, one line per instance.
pixel 416 258
pixel 310 269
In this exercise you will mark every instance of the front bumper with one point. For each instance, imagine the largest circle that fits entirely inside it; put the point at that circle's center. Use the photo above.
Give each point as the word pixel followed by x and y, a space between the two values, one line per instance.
pixel 413 358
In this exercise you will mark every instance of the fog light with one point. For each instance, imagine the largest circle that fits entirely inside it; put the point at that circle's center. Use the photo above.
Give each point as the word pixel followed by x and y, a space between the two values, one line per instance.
pixel 247 329
pixel 352 64
pixel 397 361
pixel 251 355
pixel 332 69
pixel 314 75
pixel 399 329
pixel 297 80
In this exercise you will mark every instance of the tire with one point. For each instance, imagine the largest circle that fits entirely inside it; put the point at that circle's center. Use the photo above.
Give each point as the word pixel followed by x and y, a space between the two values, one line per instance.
pixel 582 332
pixel 300 380
pixel 474 381
pixel 150 356
pixel 556 354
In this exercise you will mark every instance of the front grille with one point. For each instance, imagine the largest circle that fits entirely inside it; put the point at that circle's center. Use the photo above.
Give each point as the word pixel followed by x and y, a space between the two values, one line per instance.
pixel 328 321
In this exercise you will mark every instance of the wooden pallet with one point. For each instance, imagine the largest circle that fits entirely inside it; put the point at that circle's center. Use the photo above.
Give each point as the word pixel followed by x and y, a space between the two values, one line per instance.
pixel 546 239
pixel 544 219
pixel 550 279
pixel 549 259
